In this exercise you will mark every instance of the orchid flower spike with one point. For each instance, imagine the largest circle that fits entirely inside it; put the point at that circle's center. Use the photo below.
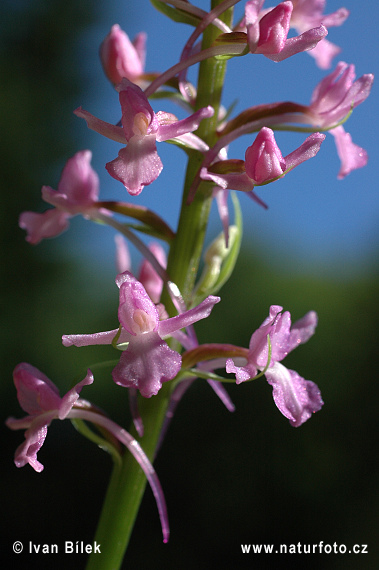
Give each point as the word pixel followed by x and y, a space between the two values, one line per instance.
pixel 148 361
pixel 78 191
pixel 122 58
pixel 138 163
pixel 39 397
pixel 264 163
pixel 296 398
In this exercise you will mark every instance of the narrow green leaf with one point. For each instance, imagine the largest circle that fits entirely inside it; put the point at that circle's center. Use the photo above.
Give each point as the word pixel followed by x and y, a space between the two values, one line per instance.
pixel 175 14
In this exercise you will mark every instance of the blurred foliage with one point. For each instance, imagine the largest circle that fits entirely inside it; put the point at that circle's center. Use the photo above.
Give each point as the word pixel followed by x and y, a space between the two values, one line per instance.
pixel 246 477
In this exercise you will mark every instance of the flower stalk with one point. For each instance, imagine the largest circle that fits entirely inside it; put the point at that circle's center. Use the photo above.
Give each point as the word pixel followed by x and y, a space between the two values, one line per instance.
pixel 128 483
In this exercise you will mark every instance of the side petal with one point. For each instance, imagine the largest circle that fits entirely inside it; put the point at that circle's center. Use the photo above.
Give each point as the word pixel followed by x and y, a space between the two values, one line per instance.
pixel 137 165
pixel 305 42
pixel 187 125
pixel 46 225
pixel 102 127
pixel 307 150
pixel 296 398
pixel 302 330
pixel 72 396
pixel 95 338
pixel 201 311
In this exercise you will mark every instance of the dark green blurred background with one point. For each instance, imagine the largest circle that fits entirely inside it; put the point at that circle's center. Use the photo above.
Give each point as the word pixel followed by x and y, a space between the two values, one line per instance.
pixel 246 477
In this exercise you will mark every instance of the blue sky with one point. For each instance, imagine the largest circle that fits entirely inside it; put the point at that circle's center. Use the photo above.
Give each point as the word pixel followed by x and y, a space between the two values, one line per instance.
pixel 314 220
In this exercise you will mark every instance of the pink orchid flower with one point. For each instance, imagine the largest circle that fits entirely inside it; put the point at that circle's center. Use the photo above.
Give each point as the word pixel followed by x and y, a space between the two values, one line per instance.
pixel 78 190
pixel 267 32
pixel 308 14
pixel 263 162
pixel 337 94
pixel 296 398
pixel 148 361
pixel 39 397
pixel 122 58
pixel 138 163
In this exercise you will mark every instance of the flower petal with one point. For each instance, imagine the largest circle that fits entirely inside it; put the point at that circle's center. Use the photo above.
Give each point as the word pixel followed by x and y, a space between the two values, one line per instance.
pixel 147 362
pixel 296 398
pixel 137 165
pixel 36 393
pixel 46 225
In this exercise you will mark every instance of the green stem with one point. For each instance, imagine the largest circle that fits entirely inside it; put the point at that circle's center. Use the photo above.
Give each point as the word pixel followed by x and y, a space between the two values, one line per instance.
pixel 128 482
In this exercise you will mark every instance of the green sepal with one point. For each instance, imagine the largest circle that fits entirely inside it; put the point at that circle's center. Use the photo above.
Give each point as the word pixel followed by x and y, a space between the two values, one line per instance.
pixel 175 14
pixel 259 112
pixel 152 224
pixel 231 39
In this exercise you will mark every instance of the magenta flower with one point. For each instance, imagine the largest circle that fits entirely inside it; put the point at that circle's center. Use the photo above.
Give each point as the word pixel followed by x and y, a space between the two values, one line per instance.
pixel 337 94
pixel 267 33
pixel 39 397
pixel 138 163
pixel 78 190
pixel 148 360
pixel 309 14
pixel 263 162
pixel 295 397
pixel 122 58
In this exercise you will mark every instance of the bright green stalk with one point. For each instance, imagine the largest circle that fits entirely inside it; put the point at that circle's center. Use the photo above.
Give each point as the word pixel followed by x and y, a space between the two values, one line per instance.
pixel 128 482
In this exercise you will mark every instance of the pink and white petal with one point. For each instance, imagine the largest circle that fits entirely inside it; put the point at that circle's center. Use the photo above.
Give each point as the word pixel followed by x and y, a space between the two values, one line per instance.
pixel 137 165
pixel 230 181
pixel 123 261
pixel 72 395
pixel 27 451
pixel 324 53
pixel 351 155
pixel 308 149
pixel 187 125
pixel 149 278
pixel 305 42
pixel 243 373
pixel 273 28
pixel 302 330
pixel 102 127
pixel 136 313
pixel 201 311
pixel 296 398
pixel 79 182
pixel 36 393
pixel 146 364
pixel 96 338
pixel 46 225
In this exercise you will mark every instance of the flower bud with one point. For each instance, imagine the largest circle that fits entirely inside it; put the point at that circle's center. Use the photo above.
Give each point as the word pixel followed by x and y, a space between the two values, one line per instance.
pixel 263 159
pixel 120 57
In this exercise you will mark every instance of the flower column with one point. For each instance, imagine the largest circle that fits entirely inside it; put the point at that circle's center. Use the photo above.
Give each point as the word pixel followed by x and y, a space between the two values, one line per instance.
pixel 128 483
